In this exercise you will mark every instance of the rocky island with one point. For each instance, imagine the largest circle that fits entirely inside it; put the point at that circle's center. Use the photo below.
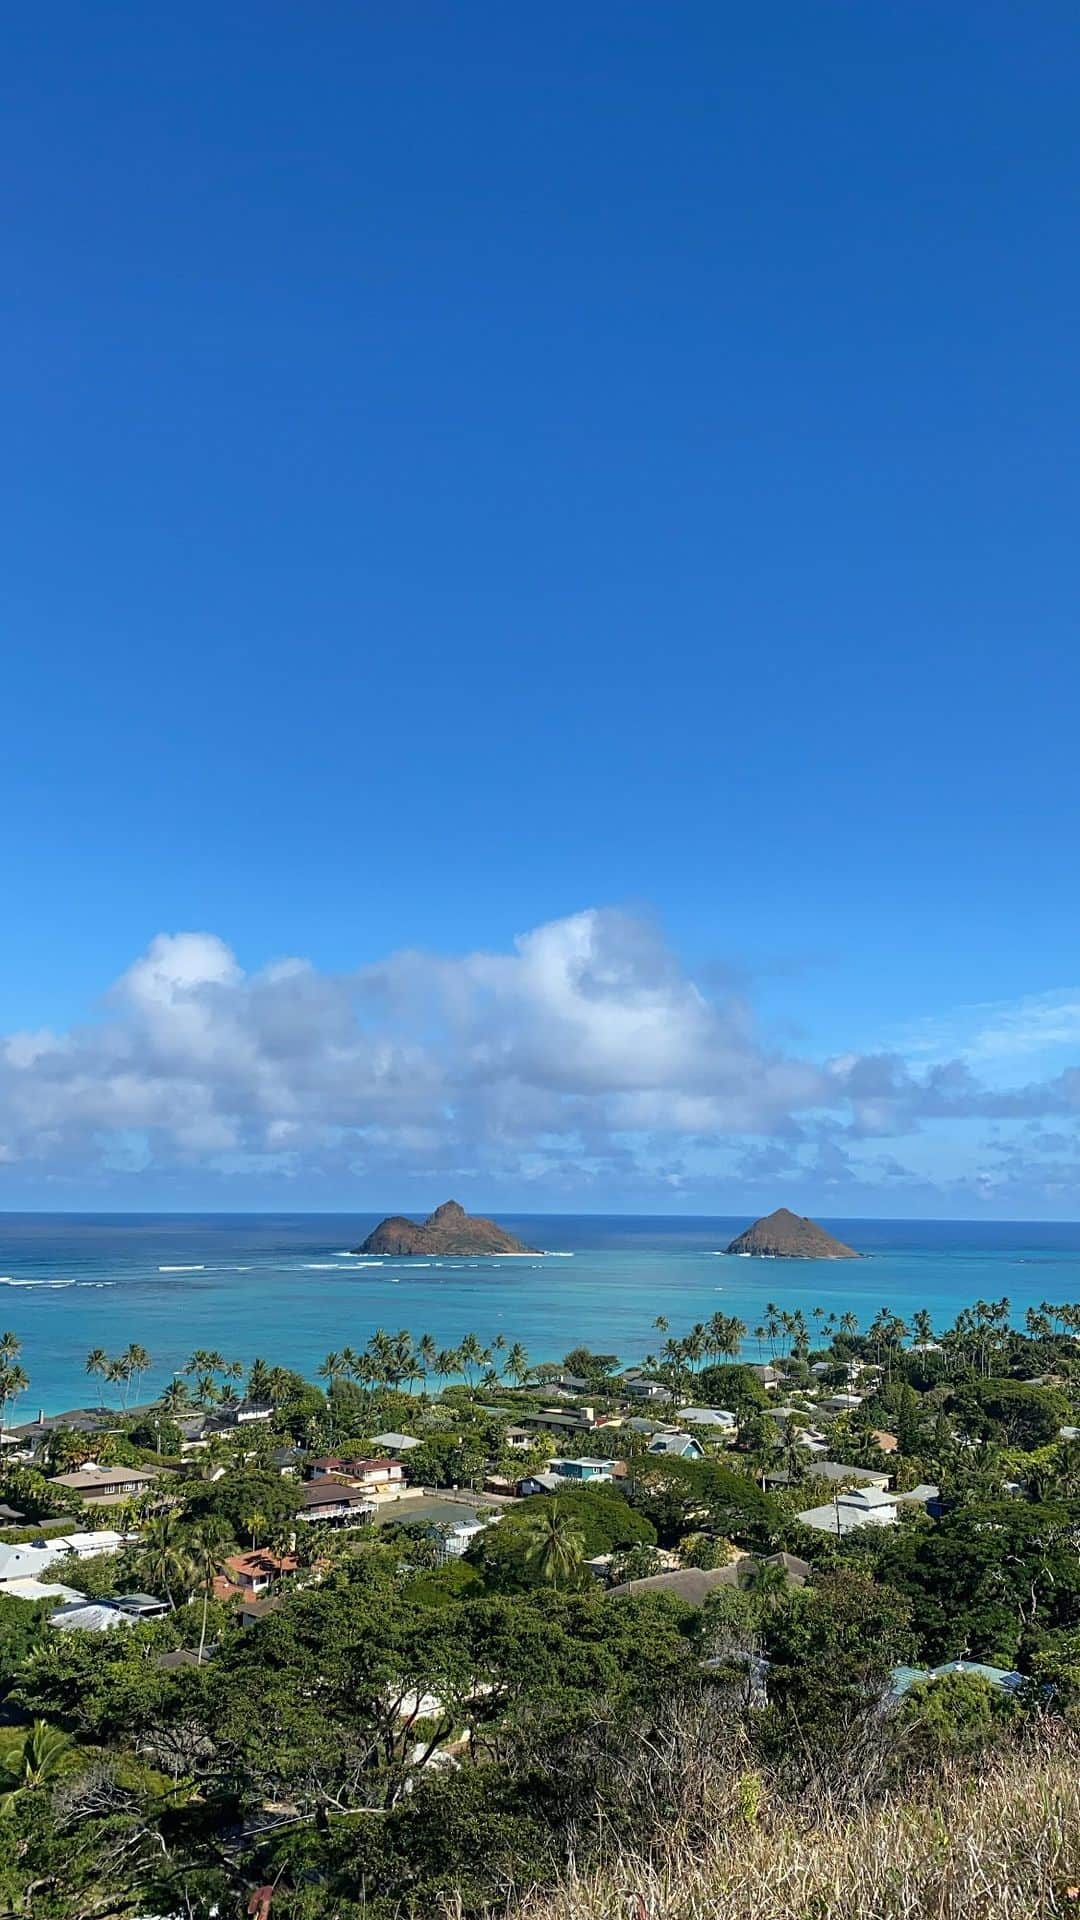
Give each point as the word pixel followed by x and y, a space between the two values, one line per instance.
pixel 449 1230
pixel 784 1235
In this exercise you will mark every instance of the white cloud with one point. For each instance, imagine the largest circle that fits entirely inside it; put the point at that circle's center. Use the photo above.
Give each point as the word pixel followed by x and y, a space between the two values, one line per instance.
pixel 584 1052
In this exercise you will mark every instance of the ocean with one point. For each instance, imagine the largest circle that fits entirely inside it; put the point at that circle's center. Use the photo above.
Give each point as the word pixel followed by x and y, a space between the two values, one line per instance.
pixel 284 1286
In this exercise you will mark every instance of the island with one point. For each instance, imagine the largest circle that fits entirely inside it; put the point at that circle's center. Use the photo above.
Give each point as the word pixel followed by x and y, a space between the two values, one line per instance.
pixel 784 1235
pixel 449 1230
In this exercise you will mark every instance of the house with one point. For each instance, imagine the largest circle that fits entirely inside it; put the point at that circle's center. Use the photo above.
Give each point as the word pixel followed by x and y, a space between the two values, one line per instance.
pixel 374 1476
pixel 104 1486
pixel 766 1376
pixel 539 1483
pixel 841 1403
pixel 250 1612
pixel 31 1561
pixel 41 1590
pixel 924 1495
pixel 582 1469
pixel 838 1471
pixel 554 1420
pixel 140 1606
pixel 250 1575
pixel 90 1616
pixel 86 1546
pixel 327 1499
pixel 847 1512
pixel 245 1413
pixel 288 1461
pixel 77 1419
pixel 518 1439
pixel 638 1385
pixel 395 1444
pixel 694 1584
pixel 460 1537
pixel 677 1446
pixel 9 1517
pixel 717 1417
pixel 1002 1679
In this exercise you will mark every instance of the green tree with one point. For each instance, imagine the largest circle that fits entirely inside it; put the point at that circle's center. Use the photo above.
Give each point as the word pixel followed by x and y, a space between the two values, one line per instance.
pixel 35 1758
pixel 555 1546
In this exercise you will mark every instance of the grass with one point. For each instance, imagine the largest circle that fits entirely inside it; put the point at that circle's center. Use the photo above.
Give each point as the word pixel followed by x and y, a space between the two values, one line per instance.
pixel 998 1839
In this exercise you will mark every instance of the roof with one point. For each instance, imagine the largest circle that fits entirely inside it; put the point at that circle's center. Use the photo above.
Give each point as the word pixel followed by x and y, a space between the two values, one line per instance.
pixel 94 1617
pixel 692 1584
pixel 1002 1678
pixel 336 1463
pixel 848 1511
pixel 677 1443
pixel 862 1476
pixel 400 1441
pixel 29 1589
pixel 565 1460
pixel 923 1494
pixel 332 1493
pixel 547 1482
pixel 89 1478
pixel 138 1602
pixel 262 1562
pixel 707 1416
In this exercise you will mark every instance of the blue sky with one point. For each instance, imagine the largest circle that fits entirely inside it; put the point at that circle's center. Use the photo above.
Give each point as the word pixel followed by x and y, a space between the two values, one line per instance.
pixel 601 477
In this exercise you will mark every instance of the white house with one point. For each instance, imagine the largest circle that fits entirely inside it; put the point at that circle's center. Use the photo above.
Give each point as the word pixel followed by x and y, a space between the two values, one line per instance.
pixel 717 1417
pixel 859 1507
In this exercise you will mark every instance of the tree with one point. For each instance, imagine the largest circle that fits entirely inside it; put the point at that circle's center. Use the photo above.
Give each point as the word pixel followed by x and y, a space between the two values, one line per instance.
pixel 97 1361
pixel 593 1367
pixel 831 1649
pixel 13 1380
pixel 955 1713
pixel 766 1580
pixel 1026 1417
pixel 210 1544
pixel 136 1362
pixel 37 1757
pixel 516 1364
pixel 555 1546
pixel 175 1398
pixel 165 1555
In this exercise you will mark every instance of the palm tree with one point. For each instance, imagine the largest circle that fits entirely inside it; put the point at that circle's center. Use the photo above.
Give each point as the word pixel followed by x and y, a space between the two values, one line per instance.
pixel 258 1382
pixel 207 1389
pixel 767 1581
pixel 471 1356
pixel 254 1522
pixel 426 1353
pixel 209 1546
pixel 555 1547
pixel 13 1381
pixel 448 1362
pixel 166 1556
pixel 661 1323
pixel 175 1398
pixel 38 1756
pixel 97 1361
pixel 136 1362
pixel 114 1372
pixel 516 1364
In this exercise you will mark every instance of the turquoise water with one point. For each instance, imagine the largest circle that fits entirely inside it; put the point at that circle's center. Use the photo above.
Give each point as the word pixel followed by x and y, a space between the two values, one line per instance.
pixel 284 1287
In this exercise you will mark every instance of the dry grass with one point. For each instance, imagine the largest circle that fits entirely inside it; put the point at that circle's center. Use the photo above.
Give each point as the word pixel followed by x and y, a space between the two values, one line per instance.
pixel 1000 1841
